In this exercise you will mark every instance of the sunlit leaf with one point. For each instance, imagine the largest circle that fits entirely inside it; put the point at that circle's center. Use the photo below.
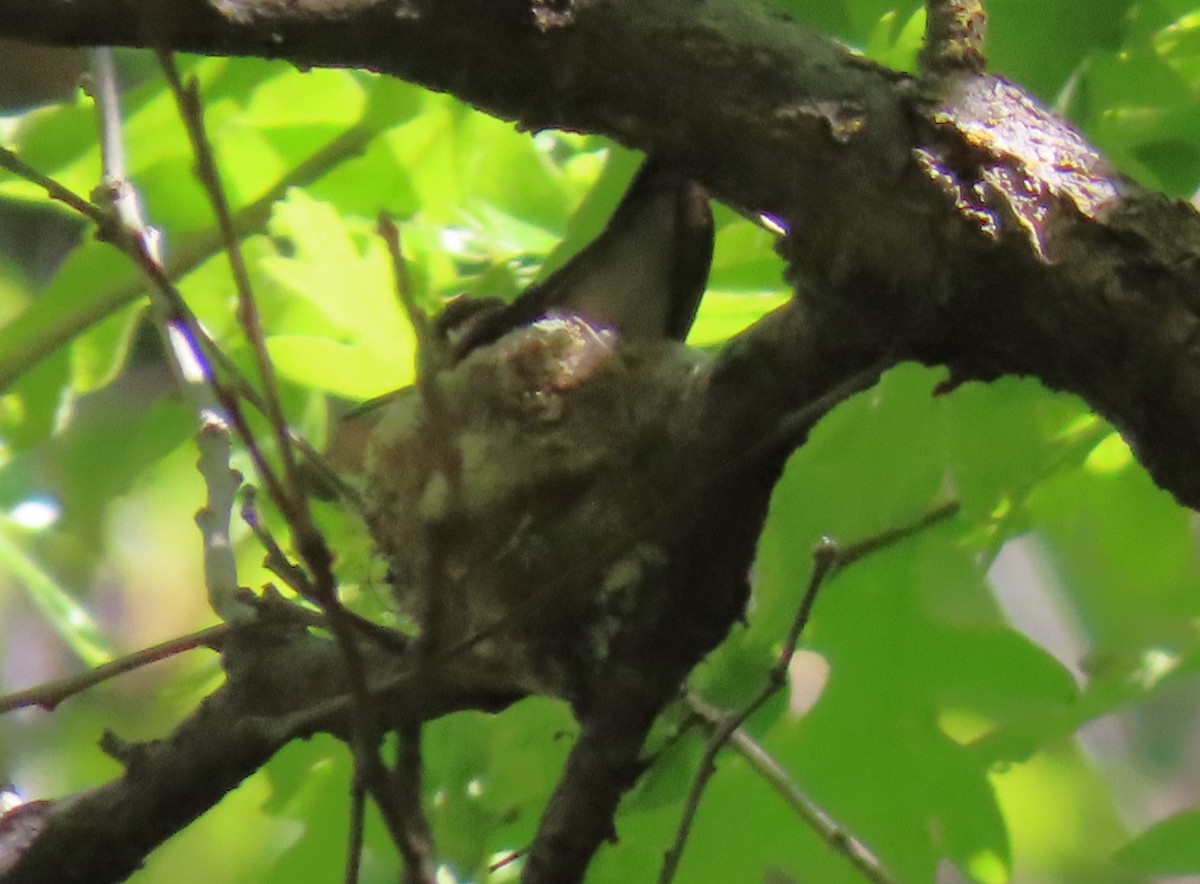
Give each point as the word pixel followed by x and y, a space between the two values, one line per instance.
pixel 1171 847
pixel 350 286
pixel 353 372
pixel 722 316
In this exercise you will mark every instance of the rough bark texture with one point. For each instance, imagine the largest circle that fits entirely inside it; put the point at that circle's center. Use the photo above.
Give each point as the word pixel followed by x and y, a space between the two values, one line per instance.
pixel 949 221
pixel 105 834
pixel 777 119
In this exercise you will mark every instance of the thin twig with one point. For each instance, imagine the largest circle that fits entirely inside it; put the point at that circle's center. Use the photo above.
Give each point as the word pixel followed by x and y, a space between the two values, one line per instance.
pixel 49 695
pixel 135 242
pixel 214 518
pixel 107 95
pixel 431 355
pixel 191 111
pixel 863 548
pixel 107 231
pixel 244 390
pixel 56 191
pixel 828 560
pixel 366 735
pixel 824 558
pixel 276 560
pixel 185 352
pixel 432 358
pixel 762 762
pixel 287 494
pixel 438 429
pixel 191 251
pixel 507 860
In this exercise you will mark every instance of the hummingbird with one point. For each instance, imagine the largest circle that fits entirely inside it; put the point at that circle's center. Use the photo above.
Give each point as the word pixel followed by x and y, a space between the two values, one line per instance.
pixel 642 277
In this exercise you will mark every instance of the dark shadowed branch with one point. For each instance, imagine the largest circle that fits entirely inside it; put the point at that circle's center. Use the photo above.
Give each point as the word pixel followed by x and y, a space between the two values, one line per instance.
pixel 865 166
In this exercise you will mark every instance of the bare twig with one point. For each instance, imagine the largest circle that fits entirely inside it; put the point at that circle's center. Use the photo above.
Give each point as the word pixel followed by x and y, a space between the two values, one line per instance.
pixel 824 559
pixel 187 97
pixel 186 254
pixel 431 359
pixel 430 351
pixel 761 761
pixel 121 196
pixel 213 519
pixel 64 195
pixel 507 860
pixel 276 560
pixel 185 352
pixel 49 695
pixel 848 555
pixel 310 543
pixel 109 231
pixel 828 560
pixel 432 356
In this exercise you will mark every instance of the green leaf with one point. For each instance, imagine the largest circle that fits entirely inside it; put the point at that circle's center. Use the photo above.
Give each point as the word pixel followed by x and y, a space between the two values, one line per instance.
pixel 1127 552
pixel 722 316
pixel 93 282
pixel 98 355
pixel 1170 847
pixel 347 297
pixel 744 257
pixel 392 188
pixel 897 49
pixel 506 170
pixel 1004 437
pixel 61 141
pixel 1025 38
pixel 109 446
pixel 487 778
pixel 346 370
pixel 302 99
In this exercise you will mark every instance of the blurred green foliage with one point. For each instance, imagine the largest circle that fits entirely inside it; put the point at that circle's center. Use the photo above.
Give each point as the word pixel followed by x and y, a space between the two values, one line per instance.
pixel 1013 693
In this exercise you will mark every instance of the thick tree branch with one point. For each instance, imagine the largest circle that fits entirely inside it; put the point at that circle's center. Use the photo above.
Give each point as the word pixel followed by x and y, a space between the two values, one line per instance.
pixel 277 676
pixel 283 682
pixel 776 118
pixel 737 90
